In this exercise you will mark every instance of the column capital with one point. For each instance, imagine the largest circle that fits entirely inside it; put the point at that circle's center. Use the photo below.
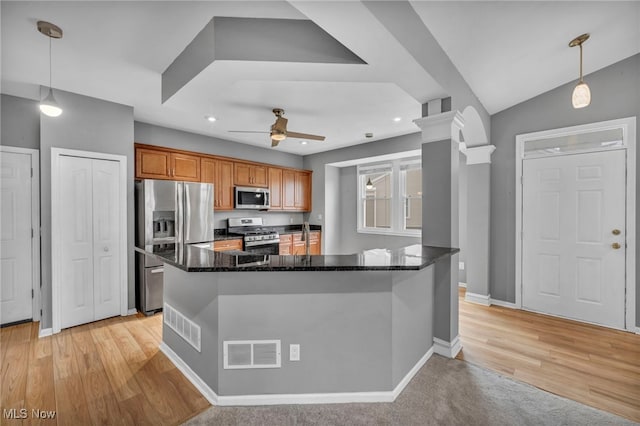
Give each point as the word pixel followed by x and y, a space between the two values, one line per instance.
pixel 478 154
pixel 447 125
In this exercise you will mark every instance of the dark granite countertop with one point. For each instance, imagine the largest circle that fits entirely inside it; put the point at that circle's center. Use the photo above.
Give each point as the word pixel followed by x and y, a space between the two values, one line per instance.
pixel 221 233
pixel 195 259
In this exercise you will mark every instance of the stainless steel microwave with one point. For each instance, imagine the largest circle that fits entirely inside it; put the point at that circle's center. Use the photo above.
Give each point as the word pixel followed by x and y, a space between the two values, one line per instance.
pixel 252 198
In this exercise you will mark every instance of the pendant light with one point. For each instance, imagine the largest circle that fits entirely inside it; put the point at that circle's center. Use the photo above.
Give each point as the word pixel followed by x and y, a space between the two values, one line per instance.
pixel 581 94
pixel 49 106
pixel 369 184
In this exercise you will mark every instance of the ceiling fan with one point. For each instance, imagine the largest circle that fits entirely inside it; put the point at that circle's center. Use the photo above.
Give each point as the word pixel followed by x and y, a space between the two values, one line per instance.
pixel 279 130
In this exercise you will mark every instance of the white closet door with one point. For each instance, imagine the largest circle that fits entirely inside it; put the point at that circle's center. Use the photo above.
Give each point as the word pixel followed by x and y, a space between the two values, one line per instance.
pixel 77 252
pixel 15 238
pixel 106 247
pixel 574 236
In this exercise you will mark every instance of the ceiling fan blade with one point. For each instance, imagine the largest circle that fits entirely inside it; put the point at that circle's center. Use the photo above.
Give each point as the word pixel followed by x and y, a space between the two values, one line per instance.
pixel 280 124
pixel 305 136
pixel 246 131
pixel 274 143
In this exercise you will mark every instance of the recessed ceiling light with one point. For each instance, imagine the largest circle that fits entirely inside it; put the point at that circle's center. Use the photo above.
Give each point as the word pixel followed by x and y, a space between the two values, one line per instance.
pixel 210 118
pixel 303 142
pixel 396 119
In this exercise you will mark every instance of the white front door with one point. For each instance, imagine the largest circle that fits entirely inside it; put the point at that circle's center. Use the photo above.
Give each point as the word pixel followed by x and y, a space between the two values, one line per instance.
pixel 573 217
pixel 89 223
pixel 16 263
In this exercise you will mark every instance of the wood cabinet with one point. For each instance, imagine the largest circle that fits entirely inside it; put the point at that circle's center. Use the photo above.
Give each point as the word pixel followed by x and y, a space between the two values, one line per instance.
pixel 285 245
pixel 226 245
pixel 157 164
pixel 248 174
pixel 275 188
pixel 296 190
pixel 220 174
pixel 296 246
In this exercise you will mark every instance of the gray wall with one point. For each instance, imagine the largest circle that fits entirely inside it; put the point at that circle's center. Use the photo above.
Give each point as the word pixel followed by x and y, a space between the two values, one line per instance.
pixel 462 212
pixel 171 138
pixel 20 122
pixel 615 94
pixel 87 124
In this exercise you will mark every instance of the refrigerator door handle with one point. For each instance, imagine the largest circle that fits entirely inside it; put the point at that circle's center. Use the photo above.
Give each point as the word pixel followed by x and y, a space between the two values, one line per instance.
pixel 180 212
pixel 157 270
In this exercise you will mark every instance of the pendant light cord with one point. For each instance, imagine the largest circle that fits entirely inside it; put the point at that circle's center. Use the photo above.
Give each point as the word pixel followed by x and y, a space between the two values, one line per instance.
pixel 50 63
pixel 580 62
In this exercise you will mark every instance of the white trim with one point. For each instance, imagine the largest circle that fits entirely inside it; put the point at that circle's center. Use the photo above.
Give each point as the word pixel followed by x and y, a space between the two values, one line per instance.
pixel 637 330
pixel 56 153
pixel 504 304
pixel 628 126
pixel 286 399
pixel 447 349
pixel 44 332
pixel 199 384
pixel 478 154
pixel 36 302
pixel 463 285
pixel 132 311
pixel 441 126
pixel 476 298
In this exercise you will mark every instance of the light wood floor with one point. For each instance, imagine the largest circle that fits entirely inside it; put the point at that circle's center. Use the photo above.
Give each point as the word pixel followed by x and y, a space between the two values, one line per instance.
pixel 593 365
pixel 108 372
pixel 111 372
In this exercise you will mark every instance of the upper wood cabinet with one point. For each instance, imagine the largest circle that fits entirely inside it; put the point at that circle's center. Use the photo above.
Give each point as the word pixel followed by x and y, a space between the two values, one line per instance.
pixel 247 174
pixel 296 190
pixel 220 174
pixel 157 164
pixel 275 188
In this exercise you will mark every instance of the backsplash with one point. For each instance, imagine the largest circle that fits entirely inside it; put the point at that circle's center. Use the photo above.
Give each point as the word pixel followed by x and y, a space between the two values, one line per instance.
pixel 269 218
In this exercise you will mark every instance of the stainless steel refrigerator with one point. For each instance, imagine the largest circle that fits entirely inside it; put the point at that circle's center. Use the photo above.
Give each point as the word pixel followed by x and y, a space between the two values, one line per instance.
pixel 167 213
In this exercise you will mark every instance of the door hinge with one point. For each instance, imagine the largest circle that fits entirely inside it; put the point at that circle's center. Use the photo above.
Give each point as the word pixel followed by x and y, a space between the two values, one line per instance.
pixel 521 180
pixel 32 294
pixel 32 172
pixel 31 232
pixel 40 312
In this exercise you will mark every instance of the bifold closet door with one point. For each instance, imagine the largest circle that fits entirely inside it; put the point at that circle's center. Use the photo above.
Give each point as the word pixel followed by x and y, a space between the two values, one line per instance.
pixel 89 267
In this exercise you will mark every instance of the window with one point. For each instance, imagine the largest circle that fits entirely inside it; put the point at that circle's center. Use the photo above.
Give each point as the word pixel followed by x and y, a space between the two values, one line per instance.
pixel 390 197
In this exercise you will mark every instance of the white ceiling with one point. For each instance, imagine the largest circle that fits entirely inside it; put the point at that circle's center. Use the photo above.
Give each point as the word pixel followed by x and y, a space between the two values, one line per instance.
pixel 507 52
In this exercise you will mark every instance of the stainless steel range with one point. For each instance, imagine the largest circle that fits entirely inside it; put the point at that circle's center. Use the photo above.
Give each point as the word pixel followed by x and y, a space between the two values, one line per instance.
pixel 257 239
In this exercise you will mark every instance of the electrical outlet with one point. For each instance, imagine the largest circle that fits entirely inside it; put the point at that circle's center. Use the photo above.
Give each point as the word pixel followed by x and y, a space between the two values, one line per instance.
pixel 294 352
pixel 290 219
pixel 319 216
pixel 461 266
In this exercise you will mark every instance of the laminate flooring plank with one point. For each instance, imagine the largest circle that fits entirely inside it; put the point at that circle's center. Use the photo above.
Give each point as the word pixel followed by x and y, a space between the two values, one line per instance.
pixel 179 384
pixel 14 375
pixel 161 395
pixel 40 390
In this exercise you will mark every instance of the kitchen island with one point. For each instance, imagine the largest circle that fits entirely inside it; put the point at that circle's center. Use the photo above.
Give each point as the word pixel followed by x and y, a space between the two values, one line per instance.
pixel 364 323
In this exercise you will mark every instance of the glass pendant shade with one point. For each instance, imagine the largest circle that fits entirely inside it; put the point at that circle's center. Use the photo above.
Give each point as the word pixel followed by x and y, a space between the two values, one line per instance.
pixel 49 106
pixel 581 95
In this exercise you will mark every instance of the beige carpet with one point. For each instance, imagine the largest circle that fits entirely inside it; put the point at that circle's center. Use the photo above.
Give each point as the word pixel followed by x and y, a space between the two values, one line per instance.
pixel 444 392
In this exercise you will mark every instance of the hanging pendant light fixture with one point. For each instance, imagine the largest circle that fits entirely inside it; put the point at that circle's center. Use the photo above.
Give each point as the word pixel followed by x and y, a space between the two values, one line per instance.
pixel 369 184
pixel 49 106
pixel 581 94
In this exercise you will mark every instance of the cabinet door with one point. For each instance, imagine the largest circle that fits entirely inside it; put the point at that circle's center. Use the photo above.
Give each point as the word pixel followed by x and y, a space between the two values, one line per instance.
pixel 259 176
pixel 185 167
pixel 314 243
pixel 224 185
pixel 285 249
pixel 302 197
pixel 242 174
pixel 299 248
pixel 226 245
pixel 151 164
pixel 288 189
pixel 275 188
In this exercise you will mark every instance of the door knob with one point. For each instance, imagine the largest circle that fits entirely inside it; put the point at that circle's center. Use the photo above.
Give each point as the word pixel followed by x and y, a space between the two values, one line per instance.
pixel 106 249
pixel 615 246
pixel 616 232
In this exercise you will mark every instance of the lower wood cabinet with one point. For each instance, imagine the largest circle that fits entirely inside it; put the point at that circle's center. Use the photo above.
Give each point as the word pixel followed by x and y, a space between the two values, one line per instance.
pixel 226 245
pixel 292 244
pixel 285 245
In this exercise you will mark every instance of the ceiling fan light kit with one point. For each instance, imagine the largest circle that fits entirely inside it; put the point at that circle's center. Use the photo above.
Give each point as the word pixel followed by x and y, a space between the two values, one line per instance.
pixel 49 106
pixel 581 96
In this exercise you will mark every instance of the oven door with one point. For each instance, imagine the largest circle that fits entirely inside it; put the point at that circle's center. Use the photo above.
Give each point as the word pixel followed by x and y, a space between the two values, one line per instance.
pixel 258 247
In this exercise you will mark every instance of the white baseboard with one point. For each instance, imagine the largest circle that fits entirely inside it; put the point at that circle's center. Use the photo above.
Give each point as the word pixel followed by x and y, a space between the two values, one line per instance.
pixel 132 311
pixel 204 389
pixel 286 399
pixel 504 304
pixel 447 349
pixel 463 285
pixel 637 330
pixel 480 299
pixel 44 332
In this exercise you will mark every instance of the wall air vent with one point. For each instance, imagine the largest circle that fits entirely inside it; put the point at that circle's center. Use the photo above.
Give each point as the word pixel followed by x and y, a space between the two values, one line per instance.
pixel 185 328
pixel 240 354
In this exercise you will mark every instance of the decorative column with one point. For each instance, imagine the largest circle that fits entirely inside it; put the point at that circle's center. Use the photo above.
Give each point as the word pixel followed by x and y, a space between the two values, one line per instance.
pixel 478 219
pixel 440 160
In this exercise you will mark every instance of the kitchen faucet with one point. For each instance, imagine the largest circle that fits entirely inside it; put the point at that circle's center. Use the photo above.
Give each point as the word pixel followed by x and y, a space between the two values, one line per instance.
pixel 305 237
